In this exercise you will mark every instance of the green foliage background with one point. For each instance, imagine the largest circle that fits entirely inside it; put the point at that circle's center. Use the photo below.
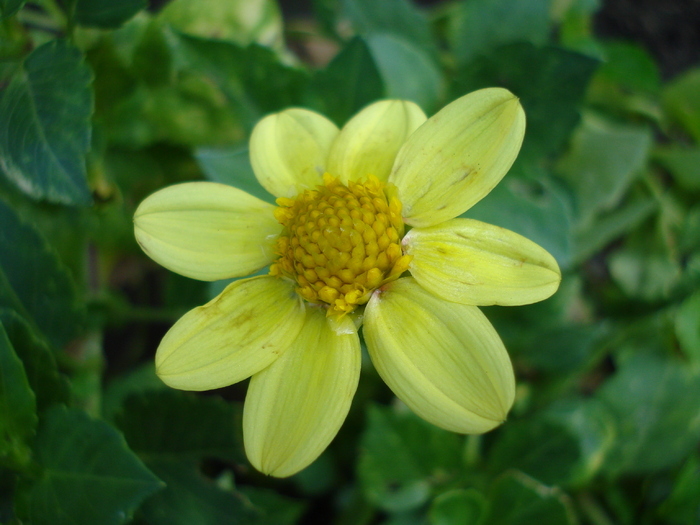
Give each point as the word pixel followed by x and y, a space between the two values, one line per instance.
pixel 103 102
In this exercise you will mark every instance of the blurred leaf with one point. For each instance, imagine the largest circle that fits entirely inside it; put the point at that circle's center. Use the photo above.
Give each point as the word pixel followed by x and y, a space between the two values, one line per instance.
pixel 593 426
pixel 550 83
pixel 106 14
pixel 89 475
pixel 350 82
pixel 399 18
pixel 644 267
pixel 190 499
pixel 681 101
pixel 608 227
pixel 683 164
pixel 627 82
pixel 231 166
pixel 543 449
pixel 457 507
pixel 682 507
pixel 10 7
pixel 151 59
pixel 517 499
pixel 139 380
pixel 239 21
pixel 49 385
pixel 530 203
pixel 275 509
pixel 34 283
pixel 602 162
pixel 541 347
pixel 45 125
pixel 17 407
pixel 408 72
pixel 401 456
pixel 478 26
pixel 654 401
pixel 689 236
pixel 575 25
pixel 687 324
pixel 170 424
pixel 630 66
pixel 242 74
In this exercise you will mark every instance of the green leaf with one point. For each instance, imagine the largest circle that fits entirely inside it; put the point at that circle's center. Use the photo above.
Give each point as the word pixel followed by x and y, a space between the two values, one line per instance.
pixel 631 67
pixel 550 83
pixel 48 384
pixel 242 74
pixel 478 26
pixel 189 499
pixel 645 267
pixel 689 236
pixel 610 226
pixel 138 380
pixel 275 509
pixel 34 283
pixel 457 507
pixel 45 125
pixel 654 402
pixel 239 21
pixel 408 71
pixel 602 163
pixel 350 82
pixel 529 202
pixel 541 347
pixel 687 324
pixel 231 166
pixel 10 7
pixel 681 101
pixel 517 499
pixel 88 474
pixel 106 14
pixel 170 424
pixel 593 426
pixel 17 407
pixel 683 504
pixel 399 18
pixel 543 449
pixel 683 164
pixel 401 455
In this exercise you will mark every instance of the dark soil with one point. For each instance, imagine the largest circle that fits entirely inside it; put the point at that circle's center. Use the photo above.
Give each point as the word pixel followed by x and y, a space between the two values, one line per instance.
pixel 668 29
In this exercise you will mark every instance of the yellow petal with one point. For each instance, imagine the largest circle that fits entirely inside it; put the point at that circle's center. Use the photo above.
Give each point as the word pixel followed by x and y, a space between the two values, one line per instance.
pixel 458 156
pixel 240 332
pixel 471 262
pixel 444 360
pixel 369 142
pixel 288 150
pixel 207 231
pixel 295 407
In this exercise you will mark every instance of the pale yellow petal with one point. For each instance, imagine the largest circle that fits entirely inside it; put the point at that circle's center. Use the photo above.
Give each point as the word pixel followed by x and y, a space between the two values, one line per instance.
pixel 289 150
pixel 295 407
pixel 472 262
pixel 444 360
pixel 369 142
pixel 458 156
pixel 237 334
pixel 207 231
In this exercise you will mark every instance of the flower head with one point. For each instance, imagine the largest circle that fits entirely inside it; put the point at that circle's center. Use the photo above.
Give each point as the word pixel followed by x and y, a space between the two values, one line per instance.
pixel 364 234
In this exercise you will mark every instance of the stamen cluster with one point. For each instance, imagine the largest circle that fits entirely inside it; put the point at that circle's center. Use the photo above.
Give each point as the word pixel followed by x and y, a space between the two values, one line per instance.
pixel 340 242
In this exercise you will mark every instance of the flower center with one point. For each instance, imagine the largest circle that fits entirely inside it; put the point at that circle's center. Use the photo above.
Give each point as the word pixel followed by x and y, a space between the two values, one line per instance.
pixel 340 242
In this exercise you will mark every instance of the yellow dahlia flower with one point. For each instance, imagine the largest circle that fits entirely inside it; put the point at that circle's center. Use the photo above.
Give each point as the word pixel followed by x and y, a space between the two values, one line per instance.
pixel 341 256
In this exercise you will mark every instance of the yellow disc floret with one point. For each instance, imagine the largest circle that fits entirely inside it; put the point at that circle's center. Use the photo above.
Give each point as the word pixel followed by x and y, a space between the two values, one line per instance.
pixel 340 242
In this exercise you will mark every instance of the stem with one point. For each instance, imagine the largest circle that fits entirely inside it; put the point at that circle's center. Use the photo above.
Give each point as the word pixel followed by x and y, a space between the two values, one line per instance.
pixel 472 450
pixel 593 511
